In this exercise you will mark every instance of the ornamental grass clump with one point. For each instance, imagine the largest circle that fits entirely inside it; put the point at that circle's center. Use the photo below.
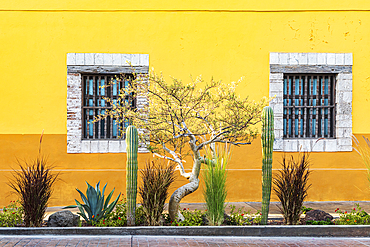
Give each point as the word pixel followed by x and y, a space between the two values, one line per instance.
pixel 291 186
pixel 157 178
pixel 364 153
pixel 33 183
pixel 215 191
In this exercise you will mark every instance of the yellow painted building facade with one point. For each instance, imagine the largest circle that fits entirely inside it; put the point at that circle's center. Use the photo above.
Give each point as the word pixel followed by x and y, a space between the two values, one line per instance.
pixel 221 39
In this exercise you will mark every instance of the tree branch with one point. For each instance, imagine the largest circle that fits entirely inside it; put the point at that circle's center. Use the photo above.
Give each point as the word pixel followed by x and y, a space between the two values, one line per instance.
pixel 176 159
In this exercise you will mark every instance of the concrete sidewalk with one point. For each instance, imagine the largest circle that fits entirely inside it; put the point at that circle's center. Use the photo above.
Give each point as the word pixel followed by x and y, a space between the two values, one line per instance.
pixel 129 241
pixel 253 207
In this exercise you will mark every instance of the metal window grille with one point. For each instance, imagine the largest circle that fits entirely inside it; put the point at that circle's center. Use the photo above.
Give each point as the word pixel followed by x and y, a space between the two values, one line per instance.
pixel 309 105
pixel 94 104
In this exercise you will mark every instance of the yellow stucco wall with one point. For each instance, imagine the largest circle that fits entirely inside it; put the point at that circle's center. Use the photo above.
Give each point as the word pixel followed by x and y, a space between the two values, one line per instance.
pixel 223 39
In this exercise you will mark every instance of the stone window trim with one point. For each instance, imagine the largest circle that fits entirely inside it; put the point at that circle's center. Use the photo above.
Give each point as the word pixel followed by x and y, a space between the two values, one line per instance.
pixel 104 63
pixel 337 63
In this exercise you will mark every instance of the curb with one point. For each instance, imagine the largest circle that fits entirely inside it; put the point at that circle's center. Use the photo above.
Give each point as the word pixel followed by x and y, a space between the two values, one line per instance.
pixel 250 231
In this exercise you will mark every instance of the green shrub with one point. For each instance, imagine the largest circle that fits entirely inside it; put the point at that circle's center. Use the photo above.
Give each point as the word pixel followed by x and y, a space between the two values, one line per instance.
pixel 195 218
pixel 305 210
pixel 157 178
pixel 357 216
pixel 12 215
pixel 118 217
pixel 215 183
pixel 320 222
pixel 239 217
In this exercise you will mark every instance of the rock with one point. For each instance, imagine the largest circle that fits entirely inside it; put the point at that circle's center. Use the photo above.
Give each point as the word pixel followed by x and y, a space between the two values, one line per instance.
pixel 318 215
pixel 63 218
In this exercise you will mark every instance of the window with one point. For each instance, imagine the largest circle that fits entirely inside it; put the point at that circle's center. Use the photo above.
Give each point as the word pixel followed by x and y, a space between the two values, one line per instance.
pixel 312 99
pixel 95 103
pixel 86 73
pixel 309 106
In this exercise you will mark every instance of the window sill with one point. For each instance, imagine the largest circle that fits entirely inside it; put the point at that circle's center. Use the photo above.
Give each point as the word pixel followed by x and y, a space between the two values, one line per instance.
pixel 313 145
pixel 106 146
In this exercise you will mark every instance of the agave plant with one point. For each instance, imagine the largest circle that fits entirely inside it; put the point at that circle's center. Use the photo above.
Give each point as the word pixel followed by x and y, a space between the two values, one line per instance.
pixel 94 204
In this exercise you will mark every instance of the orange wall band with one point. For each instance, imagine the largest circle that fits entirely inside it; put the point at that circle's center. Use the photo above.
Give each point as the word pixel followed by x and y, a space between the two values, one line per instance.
pixel 331 178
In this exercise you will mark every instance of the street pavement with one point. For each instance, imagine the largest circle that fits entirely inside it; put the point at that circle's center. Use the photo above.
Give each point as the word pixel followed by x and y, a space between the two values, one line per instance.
pixel 128 241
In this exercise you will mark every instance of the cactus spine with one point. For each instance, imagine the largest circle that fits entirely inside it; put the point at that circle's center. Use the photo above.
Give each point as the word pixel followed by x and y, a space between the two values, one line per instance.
pixel 131 173
pixel 267 139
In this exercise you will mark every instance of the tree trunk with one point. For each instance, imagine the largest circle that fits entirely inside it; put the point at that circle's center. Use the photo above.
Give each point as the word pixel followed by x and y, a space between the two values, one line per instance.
pixel 174 203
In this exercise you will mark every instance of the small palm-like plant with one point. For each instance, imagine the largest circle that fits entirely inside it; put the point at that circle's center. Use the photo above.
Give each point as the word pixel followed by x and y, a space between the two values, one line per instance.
pixel 291 185
pixel 157 178
pixel 94 205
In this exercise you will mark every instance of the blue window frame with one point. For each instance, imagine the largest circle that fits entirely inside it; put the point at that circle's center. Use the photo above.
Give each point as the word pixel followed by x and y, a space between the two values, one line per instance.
pixel 309 105
pixel 97 89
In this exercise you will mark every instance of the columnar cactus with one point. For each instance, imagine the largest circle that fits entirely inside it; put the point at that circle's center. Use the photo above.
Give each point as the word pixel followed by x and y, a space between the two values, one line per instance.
pixel 267 139
pixel 131 173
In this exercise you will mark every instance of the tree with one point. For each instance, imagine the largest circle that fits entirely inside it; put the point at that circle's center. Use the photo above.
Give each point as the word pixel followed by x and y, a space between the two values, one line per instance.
pixel 181 119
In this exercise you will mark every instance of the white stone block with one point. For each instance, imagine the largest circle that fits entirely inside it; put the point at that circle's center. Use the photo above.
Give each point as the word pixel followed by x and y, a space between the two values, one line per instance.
pixel 343 132
pixel 274 103
pixel 317 146
pixel 116 59
pixel 98 59
pixel 277 76
pixel 89 59
pixel 126 59
pixel 340 117
pixel 330 59
pixel 85 146
pixel 321 58
pixel 103 147
pixel 144 59
pixel 278 123
pixel 290 145
pixel 344 76
pixel 122 147
pixel 274 58
pixel 276 87
pixel 339 58
pixel 71 58
pixel 302 58
pixel 344 85
pixel 277 95
pixel 279 133
pixel 347 97
pixel 345 148
pixel 135 59
pixel 344 141
pixel 143 150
pixel 114 146
pixel 330 145
pixel 312 58
pixel 344 123
pixel 107 59
pixel 304 145
pixel 348 60
pixel 278 144
pixel 344 108
pixel 278 109
pixel 293 58
pixel 94 146
pixel 80 59
pixel 283 58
